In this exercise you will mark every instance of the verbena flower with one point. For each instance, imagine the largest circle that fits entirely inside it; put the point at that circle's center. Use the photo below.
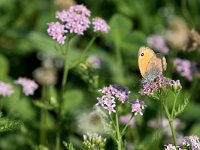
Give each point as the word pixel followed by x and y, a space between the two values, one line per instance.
pixel 137 106
pixel 126 119
pixel 56 30
pixel 100 25
pixel 111 95
pixel 5 89
pixel 160 82
pixel 170 147
pixel 28 86
pixel 75 19
pixel 157 42
pixel 191 142
pixel 185 68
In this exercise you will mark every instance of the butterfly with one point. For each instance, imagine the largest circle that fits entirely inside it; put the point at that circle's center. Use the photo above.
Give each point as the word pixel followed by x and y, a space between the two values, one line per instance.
pixel 150 63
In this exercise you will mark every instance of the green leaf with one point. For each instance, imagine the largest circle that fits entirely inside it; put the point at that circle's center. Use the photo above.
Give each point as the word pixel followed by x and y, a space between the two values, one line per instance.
pixel 68 146
pixel 181 108
pixel 71 100
pixel 120 27
pixel 43 105
pixel 8 125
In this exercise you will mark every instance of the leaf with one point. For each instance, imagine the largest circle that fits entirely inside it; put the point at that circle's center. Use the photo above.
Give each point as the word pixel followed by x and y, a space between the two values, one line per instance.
pixel 68 146
pixel 120 27
pixel 72 99
pixel 181 108
pixel 43 105
pixel 8 125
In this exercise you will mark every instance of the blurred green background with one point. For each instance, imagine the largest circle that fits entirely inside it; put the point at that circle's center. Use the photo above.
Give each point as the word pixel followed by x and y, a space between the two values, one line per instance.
pixel 25 45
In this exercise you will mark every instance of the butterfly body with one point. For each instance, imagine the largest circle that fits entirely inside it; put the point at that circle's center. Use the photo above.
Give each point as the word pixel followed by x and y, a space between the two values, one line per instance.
pixel 150 64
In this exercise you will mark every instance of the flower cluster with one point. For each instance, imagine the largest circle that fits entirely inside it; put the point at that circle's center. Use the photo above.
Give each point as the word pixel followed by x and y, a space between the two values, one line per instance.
pixel 157 42
pixel 112 93
pixel 192 142
pixel 137 106
pixel 75 20
pixel 100 25
pixel 188 142
pixel 57 30
pixel 171 147
pixel 185 68
pixel 160 82
pixel 93 141
pixel 5 89
pixel 29 86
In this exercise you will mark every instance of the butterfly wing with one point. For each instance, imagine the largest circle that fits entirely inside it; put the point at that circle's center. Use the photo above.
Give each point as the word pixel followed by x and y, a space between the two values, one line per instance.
pixel 156 66
pixel 145 54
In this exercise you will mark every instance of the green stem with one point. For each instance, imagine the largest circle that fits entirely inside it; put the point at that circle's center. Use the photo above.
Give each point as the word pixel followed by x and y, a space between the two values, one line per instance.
pixel 174 105
pixel 170 120
pixel 65 72
pixel 113 123
pixel 88 46
pixel 119 138
pixel 64 82
pixel 43 115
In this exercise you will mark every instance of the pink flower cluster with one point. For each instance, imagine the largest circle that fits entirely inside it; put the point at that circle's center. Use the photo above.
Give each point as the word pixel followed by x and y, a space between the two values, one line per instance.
pixel 111 94
pixel 57 31
pixel 185 68
pixel 5 89
pixel 160 82
pixel 137 106
pixel 29 86
pixel 192 142
pixel 75 20
pixel 100 25
pixel 188 142
pixel 157 42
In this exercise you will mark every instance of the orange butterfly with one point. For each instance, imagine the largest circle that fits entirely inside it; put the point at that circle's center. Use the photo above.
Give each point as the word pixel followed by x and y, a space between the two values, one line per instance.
pixel 150 64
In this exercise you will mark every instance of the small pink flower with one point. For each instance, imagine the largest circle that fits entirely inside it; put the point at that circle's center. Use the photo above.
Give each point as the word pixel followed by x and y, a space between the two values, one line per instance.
pixel 56 30
pixel 170 147
pixel 185 67
pixel 157 42
pixel 100 25
pixel 5 89
pixel 75 19
pixel 110 95
pixel 137 106
pixel 29 86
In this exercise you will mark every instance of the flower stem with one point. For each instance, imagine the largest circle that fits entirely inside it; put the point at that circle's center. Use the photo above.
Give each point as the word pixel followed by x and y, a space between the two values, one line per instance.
pixel 170 120
pixel 174 105
pixel 88 46
pixel 64 81
pixel 43 114
pixel 119 138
